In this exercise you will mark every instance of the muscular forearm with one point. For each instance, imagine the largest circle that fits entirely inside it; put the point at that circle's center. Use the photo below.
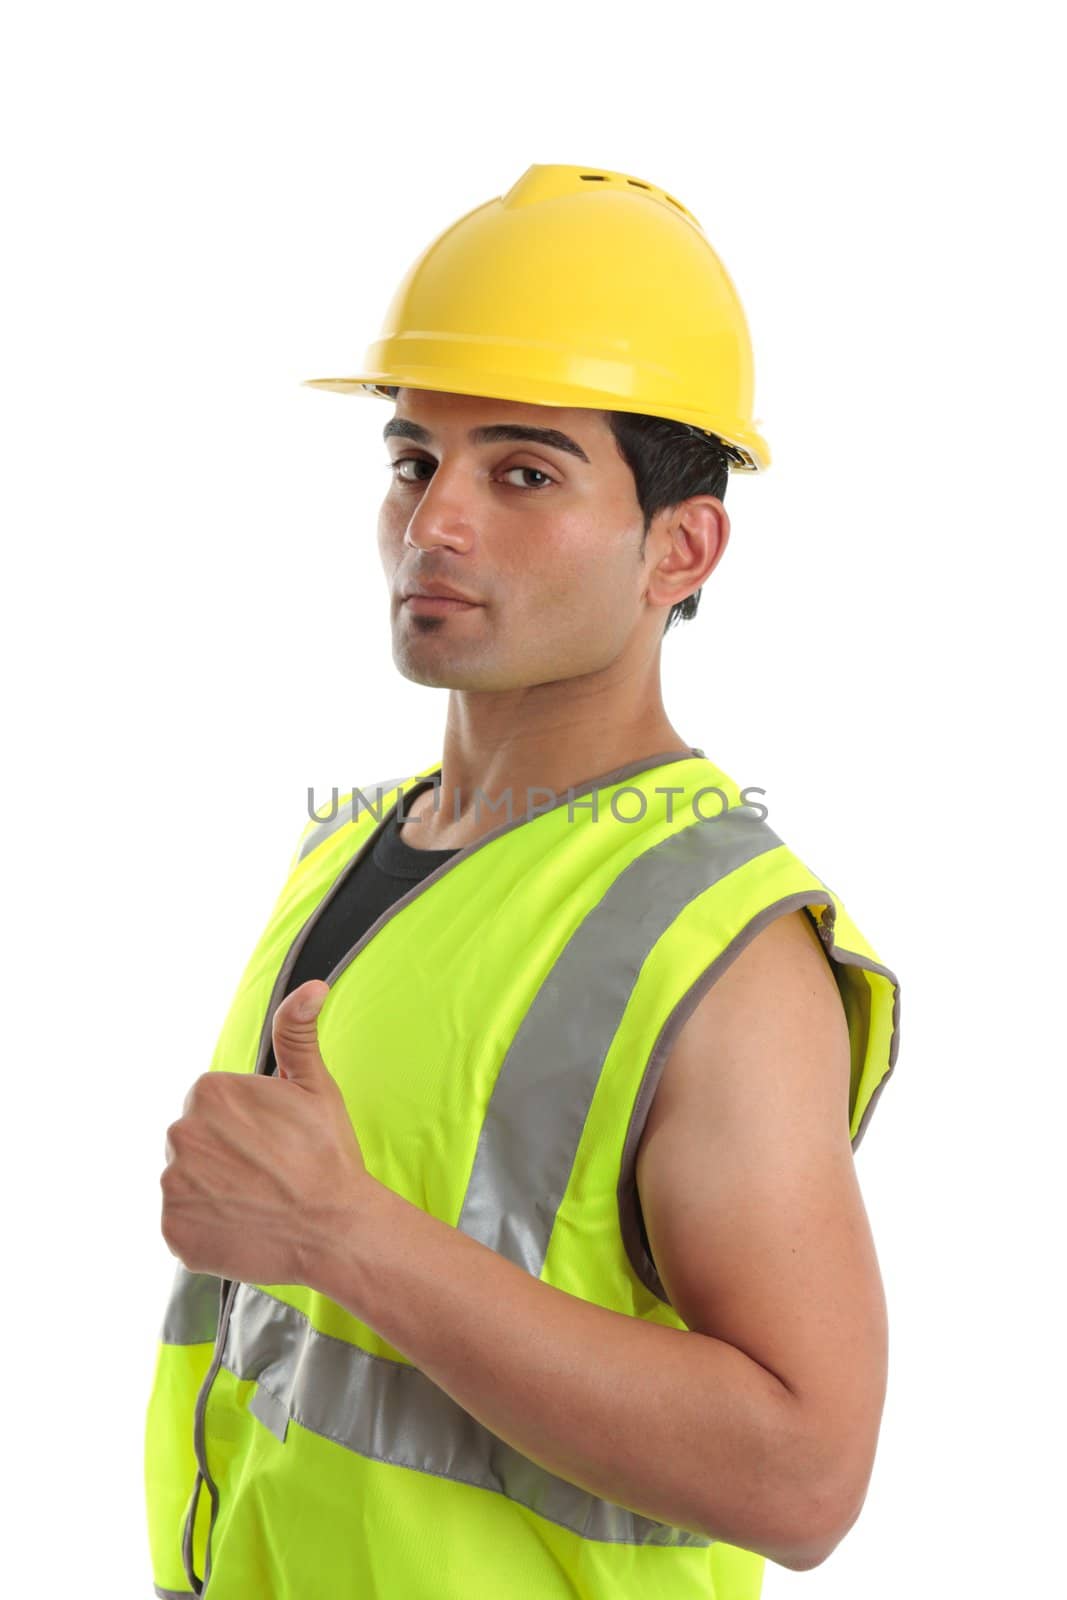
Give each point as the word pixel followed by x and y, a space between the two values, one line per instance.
pixel 673 1425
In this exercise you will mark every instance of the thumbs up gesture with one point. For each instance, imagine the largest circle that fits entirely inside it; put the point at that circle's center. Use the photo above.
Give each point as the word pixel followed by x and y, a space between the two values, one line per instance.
pixel 262 1171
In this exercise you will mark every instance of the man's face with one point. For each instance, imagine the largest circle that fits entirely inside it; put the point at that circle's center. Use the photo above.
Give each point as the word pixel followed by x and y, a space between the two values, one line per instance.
pixel 546 537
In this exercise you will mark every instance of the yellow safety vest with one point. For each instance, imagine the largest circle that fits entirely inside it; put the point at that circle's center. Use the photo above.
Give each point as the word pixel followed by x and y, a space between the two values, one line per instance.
pixel 292 1453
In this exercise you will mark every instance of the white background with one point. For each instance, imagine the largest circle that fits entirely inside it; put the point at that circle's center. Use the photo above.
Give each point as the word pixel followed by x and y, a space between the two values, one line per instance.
pixel 205 204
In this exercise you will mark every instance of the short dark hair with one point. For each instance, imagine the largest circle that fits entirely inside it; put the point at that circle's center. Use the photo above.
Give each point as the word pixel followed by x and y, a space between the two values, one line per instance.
pixel 670 462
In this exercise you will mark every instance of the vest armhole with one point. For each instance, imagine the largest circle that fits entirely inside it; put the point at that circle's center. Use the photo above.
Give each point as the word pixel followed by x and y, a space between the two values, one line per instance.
pixel 630 1216
pixel 870 995
pixel 631 1222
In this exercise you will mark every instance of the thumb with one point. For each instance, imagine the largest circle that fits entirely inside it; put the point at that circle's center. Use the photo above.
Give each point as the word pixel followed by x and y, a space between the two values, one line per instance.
pixel 295 1034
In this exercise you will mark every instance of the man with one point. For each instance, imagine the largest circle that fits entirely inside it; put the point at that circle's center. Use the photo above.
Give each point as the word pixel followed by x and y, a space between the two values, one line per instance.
pixel 525 1254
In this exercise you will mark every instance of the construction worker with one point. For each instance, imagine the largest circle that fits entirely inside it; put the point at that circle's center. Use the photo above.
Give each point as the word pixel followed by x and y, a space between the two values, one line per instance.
pixel 521 1250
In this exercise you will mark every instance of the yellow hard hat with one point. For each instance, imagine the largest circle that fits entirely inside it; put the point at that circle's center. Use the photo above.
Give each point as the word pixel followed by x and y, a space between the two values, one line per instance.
pixel 579 287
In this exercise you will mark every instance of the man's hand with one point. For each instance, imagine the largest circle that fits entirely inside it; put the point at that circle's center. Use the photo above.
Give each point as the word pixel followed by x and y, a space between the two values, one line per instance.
pixel 259 1168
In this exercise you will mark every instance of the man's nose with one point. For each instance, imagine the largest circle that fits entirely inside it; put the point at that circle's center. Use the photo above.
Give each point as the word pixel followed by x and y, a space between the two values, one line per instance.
pixel 445 513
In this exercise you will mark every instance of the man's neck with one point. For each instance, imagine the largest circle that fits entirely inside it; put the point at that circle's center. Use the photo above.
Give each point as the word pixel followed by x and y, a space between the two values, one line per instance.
pixel 452 815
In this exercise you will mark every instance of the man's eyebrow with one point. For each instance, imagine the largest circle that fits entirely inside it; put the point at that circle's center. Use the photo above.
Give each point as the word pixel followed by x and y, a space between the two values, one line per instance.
pixel 490 434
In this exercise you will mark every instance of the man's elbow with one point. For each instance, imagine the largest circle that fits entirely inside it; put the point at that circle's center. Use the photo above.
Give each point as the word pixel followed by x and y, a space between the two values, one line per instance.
pixel 814 1524
pixel 822 1484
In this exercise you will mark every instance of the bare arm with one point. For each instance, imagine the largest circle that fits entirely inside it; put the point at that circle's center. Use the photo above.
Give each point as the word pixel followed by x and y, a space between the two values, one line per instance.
pixel 755 1217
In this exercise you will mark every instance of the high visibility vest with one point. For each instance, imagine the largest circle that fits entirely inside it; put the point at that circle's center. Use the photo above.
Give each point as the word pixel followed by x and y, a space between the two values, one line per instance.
pixel 498 1035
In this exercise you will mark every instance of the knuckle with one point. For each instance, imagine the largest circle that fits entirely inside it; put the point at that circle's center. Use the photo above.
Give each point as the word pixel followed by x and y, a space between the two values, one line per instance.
pixel 202 1086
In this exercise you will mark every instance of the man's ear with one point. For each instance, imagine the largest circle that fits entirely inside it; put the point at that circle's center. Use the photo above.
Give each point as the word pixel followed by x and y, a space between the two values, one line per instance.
pixel 694 535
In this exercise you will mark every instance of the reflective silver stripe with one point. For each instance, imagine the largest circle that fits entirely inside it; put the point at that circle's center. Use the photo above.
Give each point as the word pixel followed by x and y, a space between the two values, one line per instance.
pixel 192 1314
pixel 272 1412
pixel 173 1594
pixel 392 1412
pixel 373 793
pixel 537 1112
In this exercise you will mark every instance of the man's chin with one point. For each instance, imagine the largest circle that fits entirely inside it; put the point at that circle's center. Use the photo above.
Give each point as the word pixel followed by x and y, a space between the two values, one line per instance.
pixel 429 674
pixel 449 674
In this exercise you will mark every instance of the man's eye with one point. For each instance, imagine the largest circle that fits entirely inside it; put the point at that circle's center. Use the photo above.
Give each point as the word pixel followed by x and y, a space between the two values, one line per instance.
pixel 406 461
pixel 419 461
pixel 537 473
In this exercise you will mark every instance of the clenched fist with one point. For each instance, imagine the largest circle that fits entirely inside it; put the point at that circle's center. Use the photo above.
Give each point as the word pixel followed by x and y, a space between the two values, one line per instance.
pixel 260 1171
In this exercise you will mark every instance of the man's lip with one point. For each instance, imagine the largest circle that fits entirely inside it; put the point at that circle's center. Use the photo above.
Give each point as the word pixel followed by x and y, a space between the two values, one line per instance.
pixel 441 593
pixel 441 602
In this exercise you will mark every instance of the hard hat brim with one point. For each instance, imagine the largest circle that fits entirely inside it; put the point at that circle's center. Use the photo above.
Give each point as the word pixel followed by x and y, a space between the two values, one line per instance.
pixel 752 451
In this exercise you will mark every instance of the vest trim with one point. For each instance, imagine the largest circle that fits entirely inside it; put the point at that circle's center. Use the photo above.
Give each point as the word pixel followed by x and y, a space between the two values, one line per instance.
pixel 850 958
pixel 391 1412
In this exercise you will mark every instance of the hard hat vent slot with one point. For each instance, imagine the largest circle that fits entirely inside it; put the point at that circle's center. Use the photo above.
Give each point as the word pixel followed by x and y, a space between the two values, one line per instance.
pixel 607 177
